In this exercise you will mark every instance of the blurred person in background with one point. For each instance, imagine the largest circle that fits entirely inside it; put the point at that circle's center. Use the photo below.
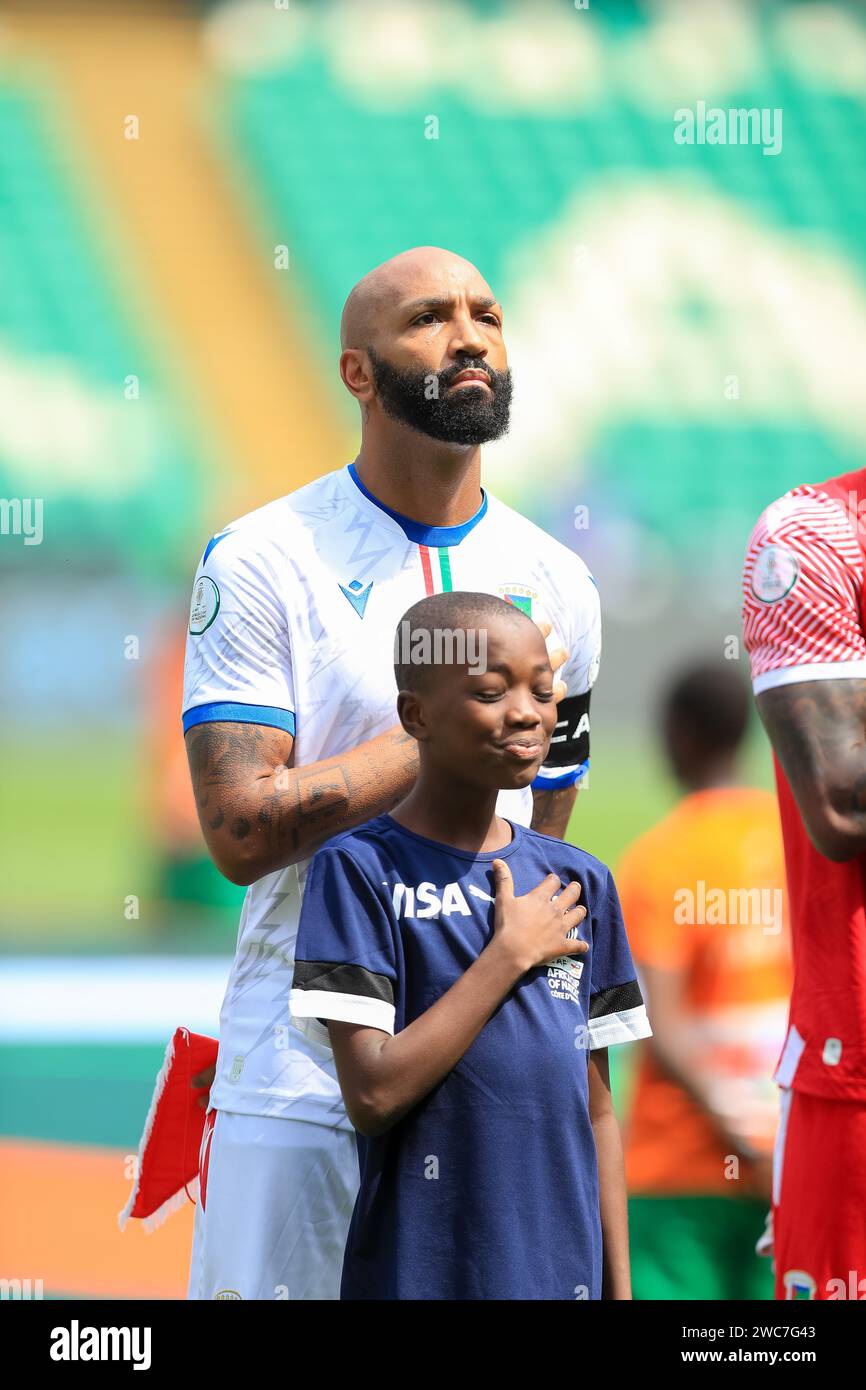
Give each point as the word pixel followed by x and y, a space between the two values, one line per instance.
pixel 703 895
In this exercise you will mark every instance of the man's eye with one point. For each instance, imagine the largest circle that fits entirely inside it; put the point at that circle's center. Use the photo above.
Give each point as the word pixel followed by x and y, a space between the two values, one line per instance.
pixel 488 694
pixel 544 694
pixel 491 318
pixel 430 317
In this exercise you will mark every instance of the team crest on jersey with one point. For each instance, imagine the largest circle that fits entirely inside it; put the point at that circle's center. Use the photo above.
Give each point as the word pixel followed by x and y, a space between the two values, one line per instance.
pixel 228 1293
pixel 204 606
pixel 798 1284
pixel 520 596
pixel 563 977
pixel 775 573
pixel 831 1055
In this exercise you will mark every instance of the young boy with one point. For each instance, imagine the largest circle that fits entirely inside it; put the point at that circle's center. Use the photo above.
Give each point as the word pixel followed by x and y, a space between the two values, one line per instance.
pixel 471 974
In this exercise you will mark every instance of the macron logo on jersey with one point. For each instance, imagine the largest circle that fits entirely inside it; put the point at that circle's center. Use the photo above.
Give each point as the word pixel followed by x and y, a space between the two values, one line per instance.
pixel 357 595
pixel 426 901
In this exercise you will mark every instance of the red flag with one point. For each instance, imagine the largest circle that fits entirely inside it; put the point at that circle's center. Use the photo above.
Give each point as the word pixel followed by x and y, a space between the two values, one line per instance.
pixel 167 1168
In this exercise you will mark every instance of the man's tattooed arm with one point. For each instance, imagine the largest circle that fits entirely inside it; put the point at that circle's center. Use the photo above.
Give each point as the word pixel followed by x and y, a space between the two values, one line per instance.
pixel 818 731
pixel 258 813
pixel 551 811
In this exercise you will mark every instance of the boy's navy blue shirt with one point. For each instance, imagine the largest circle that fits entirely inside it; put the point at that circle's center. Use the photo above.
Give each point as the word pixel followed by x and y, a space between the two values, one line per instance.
pixel 488 1188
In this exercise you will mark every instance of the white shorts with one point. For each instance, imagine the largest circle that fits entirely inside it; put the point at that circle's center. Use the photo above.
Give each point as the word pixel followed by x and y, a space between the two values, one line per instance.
pixel 276 1197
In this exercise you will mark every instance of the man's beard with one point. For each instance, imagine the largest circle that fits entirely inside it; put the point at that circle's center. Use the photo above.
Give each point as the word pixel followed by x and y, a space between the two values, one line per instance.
pixel 421 400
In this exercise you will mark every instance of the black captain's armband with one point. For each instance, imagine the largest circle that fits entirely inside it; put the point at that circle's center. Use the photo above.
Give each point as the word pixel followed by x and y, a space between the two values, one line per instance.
pixel 569 745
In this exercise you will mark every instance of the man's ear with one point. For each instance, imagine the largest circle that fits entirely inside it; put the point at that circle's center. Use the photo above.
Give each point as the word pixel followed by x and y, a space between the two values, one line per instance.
pixel 410 712
pixel 356 374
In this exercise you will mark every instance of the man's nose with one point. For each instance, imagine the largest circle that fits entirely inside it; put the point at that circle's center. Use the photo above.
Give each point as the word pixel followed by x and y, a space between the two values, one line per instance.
pixel 467 340
pixel 523 711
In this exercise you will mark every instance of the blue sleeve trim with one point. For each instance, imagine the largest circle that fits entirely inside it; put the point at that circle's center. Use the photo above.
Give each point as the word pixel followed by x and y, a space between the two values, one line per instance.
pixel 240 714
pixel 214 540
pixel 568 779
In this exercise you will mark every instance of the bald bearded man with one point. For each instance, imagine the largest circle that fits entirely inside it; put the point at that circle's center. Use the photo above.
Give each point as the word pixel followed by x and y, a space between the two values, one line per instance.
pixel 292 734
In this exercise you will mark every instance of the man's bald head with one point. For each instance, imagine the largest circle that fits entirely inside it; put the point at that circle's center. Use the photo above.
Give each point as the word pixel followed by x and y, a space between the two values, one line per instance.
pixel 423 347
pixel 419 271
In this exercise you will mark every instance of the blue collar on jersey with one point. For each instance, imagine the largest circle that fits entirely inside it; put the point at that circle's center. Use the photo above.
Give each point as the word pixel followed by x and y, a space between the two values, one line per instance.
pixel 415 530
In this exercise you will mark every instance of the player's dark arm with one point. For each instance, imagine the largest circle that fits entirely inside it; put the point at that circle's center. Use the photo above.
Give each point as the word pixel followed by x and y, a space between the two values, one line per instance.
pixel 383 1076
pixel 818 731
pixel 551 810
pixel 258 813
pixel 616 1278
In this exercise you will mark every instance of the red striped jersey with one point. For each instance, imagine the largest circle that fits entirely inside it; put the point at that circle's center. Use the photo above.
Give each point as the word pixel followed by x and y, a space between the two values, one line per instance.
pixel 804 619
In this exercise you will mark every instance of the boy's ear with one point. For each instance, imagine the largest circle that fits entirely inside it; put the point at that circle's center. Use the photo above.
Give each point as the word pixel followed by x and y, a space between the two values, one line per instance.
pixel 410 712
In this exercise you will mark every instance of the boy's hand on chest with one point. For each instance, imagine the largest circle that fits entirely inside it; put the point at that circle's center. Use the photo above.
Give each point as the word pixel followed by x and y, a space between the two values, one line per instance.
pixel 539 926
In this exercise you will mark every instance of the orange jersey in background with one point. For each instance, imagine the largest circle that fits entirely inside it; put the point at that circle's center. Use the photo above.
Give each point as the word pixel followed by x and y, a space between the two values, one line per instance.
pixel 703 892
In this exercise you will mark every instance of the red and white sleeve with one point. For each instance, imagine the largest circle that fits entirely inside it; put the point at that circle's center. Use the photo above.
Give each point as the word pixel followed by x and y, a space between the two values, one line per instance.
pixel 802 587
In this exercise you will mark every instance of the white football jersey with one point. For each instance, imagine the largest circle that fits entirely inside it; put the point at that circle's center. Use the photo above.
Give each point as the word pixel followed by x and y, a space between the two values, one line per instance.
pixel 292 623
